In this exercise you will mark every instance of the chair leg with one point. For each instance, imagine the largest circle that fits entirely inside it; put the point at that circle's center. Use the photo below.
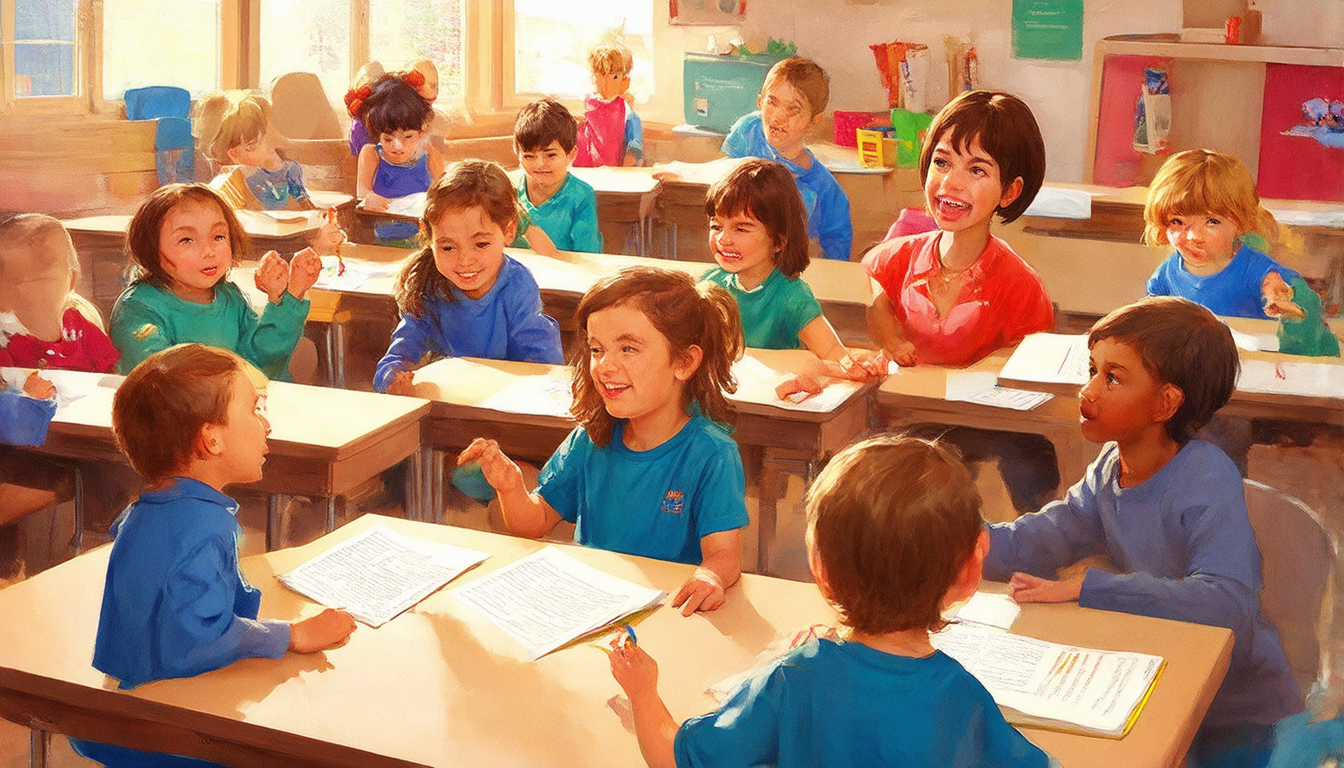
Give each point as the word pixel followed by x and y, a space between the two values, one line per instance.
pixel 39 745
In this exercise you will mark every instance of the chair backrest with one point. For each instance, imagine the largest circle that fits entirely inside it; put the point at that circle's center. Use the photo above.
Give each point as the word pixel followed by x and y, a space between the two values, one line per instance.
pixel 300 110
pixel 156 101
pixel 1296 558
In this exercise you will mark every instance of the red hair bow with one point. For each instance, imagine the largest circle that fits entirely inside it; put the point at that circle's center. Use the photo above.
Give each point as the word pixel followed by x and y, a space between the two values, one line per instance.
pixel 354 99
pixel 414 78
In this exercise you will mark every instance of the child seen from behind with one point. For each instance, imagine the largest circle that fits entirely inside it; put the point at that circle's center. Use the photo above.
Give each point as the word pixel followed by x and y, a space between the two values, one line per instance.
pixel 191 421
pixel 894 536
pixel 1168 510
pixel 554 200
pixel 610 132
pixel 758 236
pixel 651 470
pixel 43 322
pixel 791 103
pixel 181 244
pixel 460 295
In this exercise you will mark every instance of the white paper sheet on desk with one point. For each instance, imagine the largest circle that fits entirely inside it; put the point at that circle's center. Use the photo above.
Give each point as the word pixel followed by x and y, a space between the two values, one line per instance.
pixel 70 385
pixel 544 394
pixel 352 278
pixel 1255 342
pixel 379 573
pixel 548 598
pixel 1300 379
pixel 990 609
pixel 981 387
pixel 756 383
pixel 1061 203
pixel 410 205
pixel 1293 217
pixel 1049 358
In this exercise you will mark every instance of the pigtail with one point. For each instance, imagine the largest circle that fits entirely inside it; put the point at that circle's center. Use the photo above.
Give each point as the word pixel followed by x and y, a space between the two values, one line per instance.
pixel 419 279
pixel 722 345
pixel 1278 238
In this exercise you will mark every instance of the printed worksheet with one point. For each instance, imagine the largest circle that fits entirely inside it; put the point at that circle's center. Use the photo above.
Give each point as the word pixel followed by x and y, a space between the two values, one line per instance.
pixel 980 387
pixel 1050 358
pixel 545 394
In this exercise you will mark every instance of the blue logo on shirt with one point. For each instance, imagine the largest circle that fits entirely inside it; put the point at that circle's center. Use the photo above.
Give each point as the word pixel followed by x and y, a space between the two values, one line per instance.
pixel 674 502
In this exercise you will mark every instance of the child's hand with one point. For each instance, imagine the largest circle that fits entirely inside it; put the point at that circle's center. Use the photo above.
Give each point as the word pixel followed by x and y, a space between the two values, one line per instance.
pixel 864 364
pixel 903 353
pixel 499 470
pixel 329 236
pixel 702 592
pixel 1279 298
pixel 272 277
pixel 304 271
pixel 797 388
pixel 327 629
pixel 1025 588
pixel 375 202
pixel 402 383
pixel 38 388
pixel 634 670
pixel 629 160
pixel 663 173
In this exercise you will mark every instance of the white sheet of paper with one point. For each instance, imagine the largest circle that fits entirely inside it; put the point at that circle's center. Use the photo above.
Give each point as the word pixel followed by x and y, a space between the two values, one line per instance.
pixel 756 383
pixel 1050 358
pixel 980 387
pixel 379 573
pixel 410 205
pixel 1061 203
pixel 70 385
pixel 352 278
pixel 1093 689
pixel 1302 379
pixel 545 394
pixel 1255 342
pixel 548 599
pixel 990 609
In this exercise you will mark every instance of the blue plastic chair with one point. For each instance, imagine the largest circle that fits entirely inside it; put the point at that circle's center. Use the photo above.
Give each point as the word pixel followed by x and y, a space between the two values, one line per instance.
pixel 170 106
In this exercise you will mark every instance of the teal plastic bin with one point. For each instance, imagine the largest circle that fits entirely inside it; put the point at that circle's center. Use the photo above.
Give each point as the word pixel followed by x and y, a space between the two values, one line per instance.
pixel 720 89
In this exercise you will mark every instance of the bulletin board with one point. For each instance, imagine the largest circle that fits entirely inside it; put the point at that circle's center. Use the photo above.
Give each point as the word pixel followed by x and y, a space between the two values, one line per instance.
pixel 708 12
pixel 1298 167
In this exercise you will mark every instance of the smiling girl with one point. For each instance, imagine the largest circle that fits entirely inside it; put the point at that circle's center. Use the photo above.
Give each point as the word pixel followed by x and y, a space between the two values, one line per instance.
pixel 956 294
pixel 460 295
pixel 651 470
pixel 182 243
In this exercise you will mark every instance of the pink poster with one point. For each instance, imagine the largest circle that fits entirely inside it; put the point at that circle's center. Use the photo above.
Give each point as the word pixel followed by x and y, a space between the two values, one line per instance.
pixel 1298 166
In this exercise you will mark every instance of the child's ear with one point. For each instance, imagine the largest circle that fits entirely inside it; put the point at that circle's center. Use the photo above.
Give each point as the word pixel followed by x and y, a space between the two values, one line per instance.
pixel 689 363
pixel 968 578
pixel 573 153
pixel 1011 192
pixel 233 155
pixel 818 570
pixel 816 120
pixel 510 232
pixel 210 442
pixel 1170 398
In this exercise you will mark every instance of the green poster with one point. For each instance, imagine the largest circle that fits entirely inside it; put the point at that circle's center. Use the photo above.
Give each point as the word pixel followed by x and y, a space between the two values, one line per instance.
pixel 1048 29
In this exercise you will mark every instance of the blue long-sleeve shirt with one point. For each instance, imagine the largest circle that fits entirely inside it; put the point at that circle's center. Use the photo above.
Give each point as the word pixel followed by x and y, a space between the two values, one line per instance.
pixel 507 323
pixel 827 206
pixel 24 420
pixel 1185 550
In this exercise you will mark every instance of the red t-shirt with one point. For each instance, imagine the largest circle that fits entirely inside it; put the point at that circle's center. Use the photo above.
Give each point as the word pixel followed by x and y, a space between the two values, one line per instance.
pixel 1001 301
pixel 82 347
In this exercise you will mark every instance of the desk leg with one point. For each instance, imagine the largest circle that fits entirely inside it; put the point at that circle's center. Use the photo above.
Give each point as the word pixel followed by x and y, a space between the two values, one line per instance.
pixel 272 522
pixel 331 514
pixel 39 744
pixel 775 471
pixel 338 335
pixel 77 541
pixel 414 488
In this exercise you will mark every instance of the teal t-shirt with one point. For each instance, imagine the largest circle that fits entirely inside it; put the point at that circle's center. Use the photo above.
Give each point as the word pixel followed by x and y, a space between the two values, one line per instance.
pixel 655 503
pixel 569 217
pixel 774 312
pixel 147 318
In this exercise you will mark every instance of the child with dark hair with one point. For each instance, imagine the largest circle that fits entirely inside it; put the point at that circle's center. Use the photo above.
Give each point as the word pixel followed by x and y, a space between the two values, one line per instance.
pixel 561 205
pixel 400 162
pixel 461 294
pixel 1167 509
pixel 191 421
pixel 651 470
pixel 894 536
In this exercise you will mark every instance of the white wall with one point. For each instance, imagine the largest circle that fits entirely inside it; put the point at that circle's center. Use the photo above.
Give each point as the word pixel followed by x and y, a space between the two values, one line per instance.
pixel 836 33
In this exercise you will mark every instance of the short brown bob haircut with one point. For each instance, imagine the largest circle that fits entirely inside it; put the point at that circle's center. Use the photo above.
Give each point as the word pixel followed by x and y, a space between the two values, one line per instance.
pixel 892 520
pixel 542 122
pixel 1007 131
pixel 766 191
pixel 1183 344
pixel 142 236
pixel 31 231
pixel 806 77
pixel 687 314
pixel 465 184
pixel 159 410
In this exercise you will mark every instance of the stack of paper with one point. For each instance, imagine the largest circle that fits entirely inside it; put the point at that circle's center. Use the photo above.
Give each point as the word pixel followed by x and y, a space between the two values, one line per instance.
pixel 1049 358
pixel 379 573
pixel 980 387
pixel 548 599
pixel 1060 687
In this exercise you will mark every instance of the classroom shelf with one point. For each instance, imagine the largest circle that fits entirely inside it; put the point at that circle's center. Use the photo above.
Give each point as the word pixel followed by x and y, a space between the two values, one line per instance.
pixel 1170 46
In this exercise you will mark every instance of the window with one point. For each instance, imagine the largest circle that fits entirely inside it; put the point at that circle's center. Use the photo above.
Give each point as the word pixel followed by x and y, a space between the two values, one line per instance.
pixel 308 36
pixel 181 47
pixel 403 31
pixel 551 40
pixel 38 52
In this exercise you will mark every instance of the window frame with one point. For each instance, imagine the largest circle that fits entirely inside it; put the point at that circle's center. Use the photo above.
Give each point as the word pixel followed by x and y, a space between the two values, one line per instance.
pixel 44 105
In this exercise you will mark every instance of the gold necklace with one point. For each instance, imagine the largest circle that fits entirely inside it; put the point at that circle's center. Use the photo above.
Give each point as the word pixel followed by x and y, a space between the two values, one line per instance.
pixel 948 278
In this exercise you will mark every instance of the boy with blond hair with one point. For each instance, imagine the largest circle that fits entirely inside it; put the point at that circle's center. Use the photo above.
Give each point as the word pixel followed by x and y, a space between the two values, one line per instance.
pixel 610 132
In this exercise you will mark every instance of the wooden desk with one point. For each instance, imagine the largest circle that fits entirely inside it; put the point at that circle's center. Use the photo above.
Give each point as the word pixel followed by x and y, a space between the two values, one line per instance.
pixel 626 197
pixel 441 686
pixel 776 440
pixel 324 442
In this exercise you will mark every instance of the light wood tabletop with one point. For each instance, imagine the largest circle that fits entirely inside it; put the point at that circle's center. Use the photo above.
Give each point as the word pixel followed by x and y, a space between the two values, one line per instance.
pixel 442 686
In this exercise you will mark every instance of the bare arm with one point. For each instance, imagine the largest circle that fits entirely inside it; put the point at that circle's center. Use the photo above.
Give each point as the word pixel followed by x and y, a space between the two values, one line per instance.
pixel 886 330
pixel 436 164
pixel 540 242
pixel 859 364
pixel 720 568
pixel 637 674
pixel 525 514
pixel 367 166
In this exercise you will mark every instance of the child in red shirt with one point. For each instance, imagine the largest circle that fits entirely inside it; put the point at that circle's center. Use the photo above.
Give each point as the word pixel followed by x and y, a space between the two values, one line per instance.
pixel 956 294
pixel 42 320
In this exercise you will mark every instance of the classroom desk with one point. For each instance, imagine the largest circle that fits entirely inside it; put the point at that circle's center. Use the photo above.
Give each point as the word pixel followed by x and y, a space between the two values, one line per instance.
pixel 100 242
pixel 441 686
pixel 324 442
pixel 776 440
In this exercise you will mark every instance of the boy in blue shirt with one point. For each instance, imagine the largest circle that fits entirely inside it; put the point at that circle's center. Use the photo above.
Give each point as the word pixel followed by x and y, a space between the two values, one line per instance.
pixel 894 536
pixel 191 421
pixel 1168 510
pixel 791 103
pixel 564 207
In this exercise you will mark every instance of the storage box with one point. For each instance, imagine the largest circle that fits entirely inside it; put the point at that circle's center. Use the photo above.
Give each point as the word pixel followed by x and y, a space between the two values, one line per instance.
pixel 877 148
pixel 720 89
pixel 846 123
